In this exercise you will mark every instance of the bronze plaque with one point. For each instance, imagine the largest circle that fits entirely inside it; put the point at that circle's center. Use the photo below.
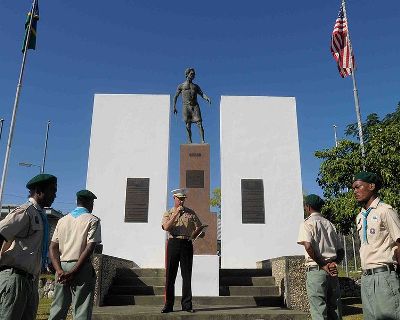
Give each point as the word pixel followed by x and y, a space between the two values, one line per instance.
pixel 253 210
pixel 194 179
pixel 137 200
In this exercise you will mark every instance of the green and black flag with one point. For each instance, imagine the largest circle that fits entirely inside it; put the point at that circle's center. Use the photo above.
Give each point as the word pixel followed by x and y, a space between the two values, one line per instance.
pixel 35 19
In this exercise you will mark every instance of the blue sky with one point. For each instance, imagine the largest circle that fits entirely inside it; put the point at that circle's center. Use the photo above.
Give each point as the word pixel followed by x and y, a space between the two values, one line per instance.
pixel 271 48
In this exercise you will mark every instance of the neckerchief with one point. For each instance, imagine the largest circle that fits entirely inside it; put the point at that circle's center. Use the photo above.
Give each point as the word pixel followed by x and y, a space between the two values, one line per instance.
pixel 365 226
pixel 45 244
pixel 79 211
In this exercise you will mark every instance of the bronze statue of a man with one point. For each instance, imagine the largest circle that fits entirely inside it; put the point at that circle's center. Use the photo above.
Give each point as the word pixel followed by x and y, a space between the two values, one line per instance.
pixel 190 107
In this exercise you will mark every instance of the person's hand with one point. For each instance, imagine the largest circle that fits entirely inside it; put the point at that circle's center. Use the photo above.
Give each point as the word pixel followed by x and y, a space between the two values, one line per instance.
pixel 59 275
pixel 331 269
pixel 66 277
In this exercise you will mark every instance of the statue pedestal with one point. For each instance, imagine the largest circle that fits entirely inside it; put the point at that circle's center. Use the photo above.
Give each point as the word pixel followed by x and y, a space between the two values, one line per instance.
pixel 195 177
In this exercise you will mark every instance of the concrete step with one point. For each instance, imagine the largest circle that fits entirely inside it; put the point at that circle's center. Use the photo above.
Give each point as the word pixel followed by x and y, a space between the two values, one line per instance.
pixel 140 272
pixel 136 290
pixel 247 281
pixel 254 291
pixel 139 281
pixel 121 300
pixel 202 313
pixel 244 272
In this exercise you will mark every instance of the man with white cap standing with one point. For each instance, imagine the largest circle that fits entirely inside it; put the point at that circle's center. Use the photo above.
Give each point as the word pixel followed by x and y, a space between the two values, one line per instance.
pixel 183 226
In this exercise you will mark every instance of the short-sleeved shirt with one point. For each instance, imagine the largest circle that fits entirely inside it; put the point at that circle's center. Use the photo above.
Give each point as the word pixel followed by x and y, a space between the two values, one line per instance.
pixel 322 235
pixel 184 225
pixel 23 230
pixel 73 234
pixel 383 230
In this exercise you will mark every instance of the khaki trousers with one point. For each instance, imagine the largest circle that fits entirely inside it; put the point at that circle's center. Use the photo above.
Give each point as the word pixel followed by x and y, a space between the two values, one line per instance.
pixel 380 294
pixel 19 296
pixel 79 293
pixel 323 293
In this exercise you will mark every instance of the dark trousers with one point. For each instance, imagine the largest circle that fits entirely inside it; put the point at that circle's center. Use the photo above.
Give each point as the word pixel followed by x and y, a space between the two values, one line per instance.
pixel 179 251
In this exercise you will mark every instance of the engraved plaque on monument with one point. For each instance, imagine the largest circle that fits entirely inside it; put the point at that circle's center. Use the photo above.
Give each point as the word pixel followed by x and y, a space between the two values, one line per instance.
pixel 137 200
pixel 194 178
pixel 253 210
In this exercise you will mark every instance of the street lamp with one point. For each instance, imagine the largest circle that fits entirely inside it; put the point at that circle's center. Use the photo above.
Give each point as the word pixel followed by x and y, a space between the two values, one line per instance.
pixel 27 164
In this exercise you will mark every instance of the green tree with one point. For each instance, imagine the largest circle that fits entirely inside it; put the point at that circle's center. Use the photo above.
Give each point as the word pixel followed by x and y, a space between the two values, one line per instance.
pixel 382 146
pixel 215 200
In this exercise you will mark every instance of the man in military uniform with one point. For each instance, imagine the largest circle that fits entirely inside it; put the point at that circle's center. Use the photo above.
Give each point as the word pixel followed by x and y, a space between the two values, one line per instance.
pixel 378 226
pixel 182 225
pixel 71 248
pixel 24 242
pixel 190 107
pixel 323 251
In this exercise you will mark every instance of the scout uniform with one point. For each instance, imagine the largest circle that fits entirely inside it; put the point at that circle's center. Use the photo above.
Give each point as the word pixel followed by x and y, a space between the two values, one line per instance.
pixel 379 229
pixel 180 251
pixel 25 231
pixel 73 232
pixel 323 290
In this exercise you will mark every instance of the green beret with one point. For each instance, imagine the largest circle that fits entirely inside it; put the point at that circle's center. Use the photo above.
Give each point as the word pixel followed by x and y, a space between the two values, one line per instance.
pixel 368 177
pixel 42 178
pixel 86 194
pixel 314 201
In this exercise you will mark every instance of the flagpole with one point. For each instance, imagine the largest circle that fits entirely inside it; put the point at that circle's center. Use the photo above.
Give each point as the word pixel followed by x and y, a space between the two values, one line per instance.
pixel 355 90
pixel 45 147
pixel 15 108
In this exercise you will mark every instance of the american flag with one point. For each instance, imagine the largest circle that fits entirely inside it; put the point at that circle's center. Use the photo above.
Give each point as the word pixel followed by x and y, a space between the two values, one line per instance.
pixel 340 45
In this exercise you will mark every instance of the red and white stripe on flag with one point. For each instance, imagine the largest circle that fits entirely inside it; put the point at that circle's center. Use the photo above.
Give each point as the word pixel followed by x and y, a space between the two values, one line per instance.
pixel 341 47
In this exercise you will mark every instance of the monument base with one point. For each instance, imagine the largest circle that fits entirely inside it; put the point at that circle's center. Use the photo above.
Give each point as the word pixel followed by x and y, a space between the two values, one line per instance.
pixel 195 177
pixel 205 277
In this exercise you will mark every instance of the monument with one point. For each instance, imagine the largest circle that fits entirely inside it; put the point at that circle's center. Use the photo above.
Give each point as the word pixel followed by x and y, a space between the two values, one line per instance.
pixel 261 191
pixel 128 171
pixel 191 112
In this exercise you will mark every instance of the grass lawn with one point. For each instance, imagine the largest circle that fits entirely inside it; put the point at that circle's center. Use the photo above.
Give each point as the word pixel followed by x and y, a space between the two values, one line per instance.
pixel 44 310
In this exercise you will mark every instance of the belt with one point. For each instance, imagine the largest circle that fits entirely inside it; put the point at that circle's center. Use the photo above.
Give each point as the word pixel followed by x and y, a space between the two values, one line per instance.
pixel 17 271
pixel 180 237
pixel 313 268
pixel 368 272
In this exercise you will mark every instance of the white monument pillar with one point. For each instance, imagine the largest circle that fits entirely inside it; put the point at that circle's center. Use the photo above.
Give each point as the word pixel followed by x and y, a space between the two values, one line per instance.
pixel 129 143
pixel 259 140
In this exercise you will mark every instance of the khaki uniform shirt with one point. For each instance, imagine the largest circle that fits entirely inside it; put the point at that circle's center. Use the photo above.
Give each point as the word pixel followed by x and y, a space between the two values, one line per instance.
pixel 383 229
pixel 73 234
pixel 323 237
pixel 184 225
pixel 23 230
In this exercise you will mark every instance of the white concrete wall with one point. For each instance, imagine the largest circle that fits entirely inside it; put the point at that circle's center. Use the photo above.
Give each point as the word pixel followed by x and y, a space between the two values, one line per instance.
pixel 130 139
pixel 259 140
pixel 205 277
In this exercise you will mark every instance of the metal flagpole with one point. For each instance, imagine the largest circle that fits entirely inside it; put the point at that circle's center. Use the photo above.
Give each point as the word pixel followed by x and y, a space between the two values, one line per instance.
pixel 355 90
pixel 15 108
pixel 345 262
pixel 45 147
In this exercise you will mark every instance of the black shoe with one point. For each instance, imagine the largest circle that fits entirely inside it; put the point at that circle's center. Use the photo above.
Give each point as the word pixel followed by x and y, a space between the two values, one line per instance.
pixel 167 309
pixel 189 310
